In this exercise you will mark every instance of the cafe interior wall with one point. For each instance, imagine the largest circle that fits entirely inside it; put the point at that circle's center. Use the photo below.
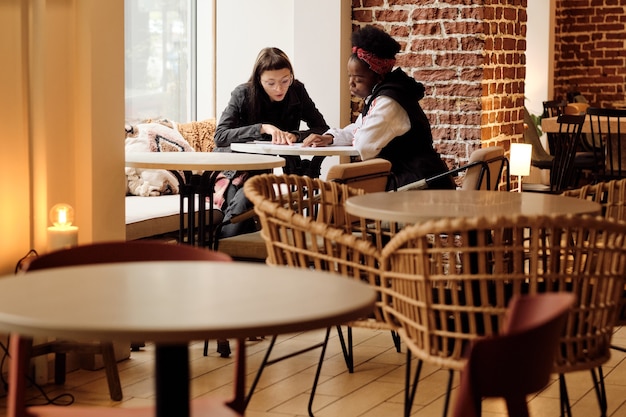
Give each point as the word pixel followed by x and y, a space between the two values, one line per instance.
pixel 63 99
pixel 470 56
pixel 62 107
pixel 590 51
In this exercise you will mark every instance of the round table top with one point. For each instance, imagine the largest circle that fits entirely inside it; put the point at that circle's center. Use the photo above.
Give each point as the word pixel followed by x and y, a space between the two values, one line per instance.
pixel 550 125
pixel 177 301
pixel 202 161
pixel 423 205
pixel 294 149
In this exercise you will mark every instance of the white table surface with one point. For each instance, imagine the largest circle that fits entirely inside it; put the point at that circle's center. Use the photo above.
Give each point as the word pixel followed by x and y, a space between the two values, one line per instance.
pixel 173 303
pixel 423 205
pixel 177 301
pixel 204 167
pixel 294 149
pixel 202 161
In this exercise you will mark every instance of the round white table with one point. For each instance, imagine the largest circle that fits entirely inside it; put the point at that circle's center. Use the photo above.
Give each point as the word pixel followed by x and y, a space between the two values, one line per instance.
pixel 200 171
pixel 173 303
pixel 422 205
pixel 318 153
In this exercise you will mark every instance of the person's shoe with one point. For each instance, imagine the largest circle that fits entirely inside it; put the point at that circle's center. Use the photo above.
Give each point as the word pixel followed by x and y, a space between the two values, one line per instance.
pixel 136 346
pixel 223 348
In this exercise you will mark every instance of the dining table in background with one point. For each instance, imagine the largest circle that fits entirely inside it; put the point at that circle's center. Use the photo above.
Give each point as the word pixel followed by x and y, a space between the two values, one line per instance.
pixel 424 205
pixel 313 170
pixel 550 125
pixel 197 173
pixel 410 207
pixel 174 303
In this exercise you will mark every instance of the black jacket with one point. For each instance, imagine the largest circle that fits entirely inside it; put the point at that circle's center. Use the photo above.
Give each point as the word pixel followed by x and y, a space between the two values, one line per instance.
pixel 236 124
pixel 412 155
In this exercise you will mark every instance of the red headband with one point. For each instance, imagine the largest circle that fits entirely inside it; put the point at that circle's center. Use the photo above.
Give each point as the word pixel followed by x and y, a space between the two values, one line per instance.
pixel 378 65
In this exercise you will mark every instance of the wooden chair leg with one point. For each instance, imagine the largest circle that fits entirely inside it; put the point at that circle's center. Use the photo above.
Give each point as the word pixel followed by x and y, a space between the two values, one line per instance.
pixel 60 364
pixel 110 368
pixel 20 353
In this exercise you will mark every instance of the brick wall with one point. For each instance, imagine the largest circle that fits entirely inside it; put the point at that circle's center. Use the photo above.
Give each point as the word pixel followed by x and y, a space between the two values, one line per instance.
pixel 469 56
pixel 590 50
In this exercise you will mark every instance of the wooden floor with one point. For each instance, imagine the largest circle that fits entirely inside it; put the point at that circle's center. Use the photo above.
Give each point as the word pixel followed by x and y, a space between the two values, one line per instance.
pixel 375 389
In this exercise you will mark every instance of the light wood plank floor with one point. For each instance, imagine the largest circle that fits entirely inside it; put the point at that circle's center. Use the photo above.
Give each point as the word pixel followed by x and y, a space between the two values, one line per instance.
pixel 375 389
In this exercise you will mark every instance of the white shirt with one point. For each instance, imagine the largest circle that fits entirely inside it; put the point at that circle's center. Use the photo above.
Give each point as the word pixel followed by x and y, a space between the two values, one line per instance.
pixel 384 121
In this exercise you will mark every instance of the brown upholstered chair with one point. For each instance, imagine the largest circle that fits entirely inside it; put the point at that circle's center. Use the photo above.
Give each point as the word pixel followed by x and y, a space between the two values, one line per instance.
pixel 448 282
pixel 123 251
pixel 517 362
pixel 371 176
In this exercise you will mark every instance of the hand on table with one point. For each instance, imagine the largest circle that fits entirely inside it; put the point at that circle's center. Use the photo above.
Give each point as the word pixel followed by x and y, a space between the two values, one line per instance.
pixel 279 137
pixel 314 140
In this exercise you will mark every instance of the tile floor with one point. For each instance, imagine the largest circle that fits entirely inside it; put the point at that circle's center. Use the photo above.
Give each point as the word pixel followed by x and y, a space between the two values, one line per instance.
pixel 375 389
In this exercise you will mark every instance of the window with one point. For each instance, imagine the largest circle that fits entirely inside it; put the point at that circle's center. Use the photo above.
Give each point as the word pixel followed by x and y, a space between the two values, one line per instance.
pixel 160 59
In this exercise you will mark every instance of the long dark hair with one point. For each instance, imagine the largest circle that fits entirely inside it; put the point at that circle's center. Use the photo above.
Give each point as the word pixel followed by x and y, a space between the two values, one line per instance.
pixel 269 59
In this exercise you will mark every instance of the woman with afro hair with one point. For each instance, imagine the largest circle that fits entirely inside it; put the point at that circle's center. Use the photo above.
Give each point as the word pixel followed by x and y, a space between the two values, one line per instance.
pixel 392 124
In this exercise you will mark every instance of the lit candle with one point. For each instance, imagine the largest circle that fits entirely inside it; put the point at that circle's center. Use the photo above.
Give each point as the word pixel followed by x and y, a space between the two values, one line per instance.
pixel 62 235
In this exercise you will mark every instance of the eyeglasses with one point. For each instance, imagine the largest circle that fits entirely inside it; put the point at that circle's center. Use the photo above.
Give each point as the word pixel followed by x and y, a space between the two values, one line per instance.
pixel 284 83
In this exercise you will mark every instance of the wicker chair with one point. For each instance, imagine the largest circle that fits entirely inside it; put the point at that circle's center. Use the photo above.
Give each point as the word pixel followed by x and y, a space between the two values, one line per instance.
pixel 612 196
pixel 443 293
pixel 308 227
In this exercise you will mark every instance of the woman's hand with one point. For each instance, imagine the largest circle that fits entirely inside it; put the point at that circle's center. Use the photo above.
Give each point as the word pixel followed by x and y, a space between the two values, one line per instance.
pixel 314 140
pixel 279 137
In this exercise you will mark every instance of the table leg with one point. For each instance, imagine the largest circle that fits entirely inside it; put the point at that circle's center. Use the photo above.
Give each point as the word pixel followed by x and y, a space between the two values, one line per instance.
pixel 205 195
pixel 239 401
pixel 184 192
pixel 172 380
pixel 295 165
pixel 192 186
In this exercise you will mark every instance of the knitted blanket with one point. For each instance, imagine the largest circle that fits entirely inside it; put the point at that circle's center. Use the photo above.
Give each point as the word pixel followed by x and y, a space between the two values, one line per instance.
pixel 153 137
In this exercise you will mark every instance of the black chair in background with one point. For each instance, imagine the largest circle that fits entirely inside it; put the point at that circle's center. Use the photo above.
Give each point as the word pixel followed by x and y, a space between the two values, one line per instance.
pixel 607 137
pixel 565 144
pixel 553 108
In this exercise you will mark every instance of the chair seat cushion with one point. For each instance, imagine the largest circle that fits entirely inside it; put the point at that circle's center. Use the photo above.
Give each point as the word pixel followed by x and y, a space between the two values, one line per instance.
pixel 249 246
pixel 153 216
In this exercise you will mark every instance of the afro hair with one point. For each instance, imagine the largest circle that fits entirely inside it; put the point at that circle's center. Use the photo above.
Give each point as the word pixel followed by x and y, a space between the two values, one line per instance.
pixel 376 41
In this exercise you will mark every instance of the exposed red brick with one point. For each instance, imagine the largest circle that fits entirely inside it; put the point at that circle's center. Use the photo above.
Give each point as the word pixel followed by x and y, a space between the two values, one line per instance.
pixel 470 58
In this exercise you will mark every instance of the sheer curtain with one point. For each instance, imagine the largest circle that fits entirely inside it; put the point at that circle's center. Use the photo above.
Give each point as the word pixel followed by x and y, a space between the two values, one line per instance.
pixel 160 57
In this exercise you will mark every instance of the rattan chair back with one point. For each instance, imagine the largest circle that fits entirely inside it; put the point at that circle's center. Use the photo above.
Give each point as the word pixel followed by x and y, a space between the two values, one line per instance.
pixel 612 196
pixel 304 225
pixel 449 282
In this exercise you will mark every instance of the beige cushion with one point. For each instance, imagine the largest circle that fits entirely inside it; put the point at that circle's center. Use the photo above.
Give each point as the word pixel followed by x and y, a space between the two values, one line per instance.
pixel 484 154
pixel 153 216
pixel 370 175
pixel 249 246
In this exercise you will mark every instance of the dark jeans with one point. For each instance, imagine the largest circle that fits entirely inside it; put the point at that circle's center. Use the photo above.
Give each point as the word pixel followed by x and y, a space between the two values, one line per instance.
pixel 236 204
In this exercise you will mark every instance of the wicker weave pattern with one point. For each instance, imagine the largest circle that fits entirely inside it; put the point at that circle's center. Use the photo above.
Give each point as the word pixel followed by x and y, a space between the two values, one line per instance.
pixel 445 291
pixel 612 196
pixel 304 225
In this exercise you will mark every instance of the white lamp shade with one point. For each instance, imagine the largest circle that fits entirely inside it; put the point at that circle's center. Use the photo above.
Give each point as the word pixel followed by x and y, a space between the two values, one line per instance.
pixel 520 159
